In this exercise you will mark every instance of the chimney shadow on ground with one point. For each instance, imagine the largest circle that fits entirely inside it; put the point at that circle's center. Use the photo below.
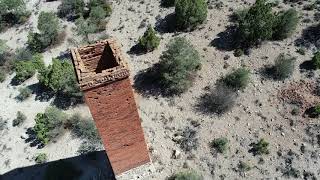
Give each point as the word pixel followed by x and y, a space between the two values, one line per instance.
pixel 94 165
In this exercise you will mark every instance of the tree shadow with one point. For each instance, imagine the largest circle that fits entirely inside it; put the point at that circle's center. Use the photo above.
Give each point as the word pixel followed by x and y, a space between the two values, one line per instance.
pixel 32 139
pixel 268 72
pixel 64 55
pixel 307 66
pixel 226 40
pixel 66 101
pixel 147 82
pixel 166 24
pixel 60 100
pixel 94 165
pixel 137 50
pixel 42 93
pixel 310 37
pixel 311 113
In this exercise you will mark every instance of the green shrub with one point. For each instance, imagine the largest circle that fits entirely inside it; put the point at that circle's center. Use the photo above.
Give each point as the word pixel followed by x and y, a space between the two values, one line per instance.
pixel 256 25
pixel 284 66
pixel 41 158
pixel 101 3
pixel 49 124
pixel 23 54
pixel 83 128
pixel 97 14
pixel 178 66
pixel 48 25
pixel 219 144
pixel 260 23
pixel 97 18
pixel 88 147
pixel 62 170
pixel 243 167
pixel 259 148
pixel 190 13
pixel 84 28
pixel 19 120
pixel 2 75
pixel 168 3
pixel 238 79
pixel 316 60
pixel 60 78
pixel 24 93
pixel 286 23
pixel 24 70
pixel 191 175
pixel 35 42
pixel 71 8
pixel 239 15
pixel 13 12
pixel 149 41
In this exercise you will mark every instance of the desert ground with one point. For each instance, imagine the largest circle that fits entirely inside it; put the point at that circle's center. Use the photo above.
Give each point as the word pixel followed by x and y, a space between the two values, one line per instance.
pixel 258 113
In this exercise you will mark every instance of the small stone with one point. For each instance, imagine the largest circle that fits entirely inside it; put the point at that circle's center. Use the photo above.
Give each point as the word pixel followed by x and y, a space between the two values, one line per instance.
pixel 176 154
pixel 282 134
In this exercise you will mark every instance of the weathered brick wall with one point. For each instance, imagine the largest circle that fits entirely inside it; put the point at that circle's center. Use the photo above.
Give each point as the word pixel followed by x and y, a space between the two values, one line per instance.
pixel 115 113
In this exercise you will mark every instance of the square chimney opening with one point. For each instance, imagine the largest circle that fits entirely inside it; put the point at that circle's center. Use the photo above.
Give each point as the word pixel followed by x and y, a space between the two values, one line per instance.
pixel 99 58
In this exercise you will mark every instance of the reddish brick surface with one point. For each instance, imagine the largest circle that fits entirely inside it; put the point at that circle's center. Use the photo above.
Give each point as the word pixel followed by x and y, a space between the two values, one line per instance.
pixel 115 113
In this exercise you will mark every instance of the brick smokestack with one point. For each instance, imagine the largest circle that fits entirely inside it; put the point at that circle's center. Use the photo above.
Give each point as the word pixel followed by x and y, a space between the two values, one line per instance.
pixel 103 76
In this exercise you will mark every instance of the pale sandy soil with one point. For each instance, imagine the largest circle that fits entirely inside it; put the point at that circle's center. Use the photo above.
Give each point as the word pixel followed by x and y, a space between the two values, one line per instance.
pixel 162 117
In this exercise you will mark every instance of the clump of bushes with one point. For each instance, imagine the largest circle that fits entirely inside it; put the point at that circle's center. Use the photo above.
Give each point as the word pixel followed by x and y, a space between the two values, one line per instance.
pixel 149 41
pixel 48 26
pixel 283 68
pixel 71 8
pixel 178 66
pixel 41 158
pixel 59 77
pixel 238 79
pixel 285 24
pixel 62 170
pixel 24 93
pixel 190 175
pixel 316 60
pixel 12 12
pixel 49 124
pixel 83 128
pixel 219 100
pixel 19 120
pixel 259 23
pixel 190 13
pixel 92 18
pixel 26 68
pixel 260 148
pixel 88 147
pixel 219 144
